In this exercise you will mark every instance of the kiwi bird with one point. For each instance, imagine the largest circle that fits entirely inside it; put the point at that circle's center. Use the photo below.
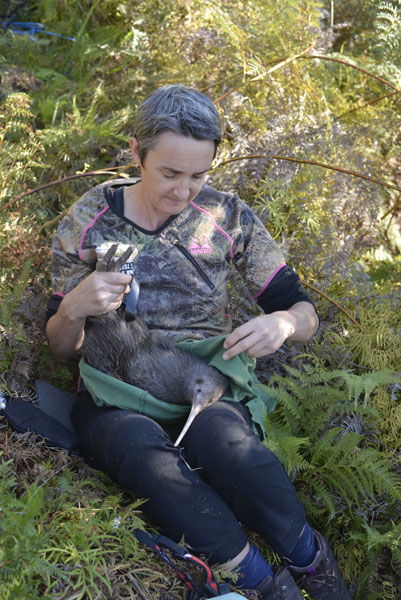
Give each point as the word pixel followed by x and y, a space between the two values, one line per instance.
pixel 129 351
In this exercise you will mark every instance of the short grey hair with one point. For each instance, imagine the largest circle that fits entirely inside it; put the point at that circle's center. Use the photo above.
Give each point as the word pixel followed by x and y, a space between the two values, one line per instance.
pixel 179 109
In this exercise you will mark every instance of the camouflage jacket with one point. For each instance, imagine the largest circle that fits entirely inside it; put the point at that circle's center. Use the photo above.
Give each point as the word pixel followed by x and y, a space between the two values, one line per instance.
pixel 183 267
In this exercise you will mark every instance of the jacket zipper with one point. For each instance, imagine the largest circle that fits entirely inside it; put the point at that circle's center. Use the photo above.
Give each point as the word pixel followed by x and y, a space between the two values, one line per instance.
pixel 197 266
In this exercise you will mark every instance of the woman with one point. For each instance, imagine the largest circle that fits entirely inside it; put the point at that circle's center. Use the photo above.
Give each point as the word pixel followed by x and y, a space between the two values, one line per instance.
pixel 187 237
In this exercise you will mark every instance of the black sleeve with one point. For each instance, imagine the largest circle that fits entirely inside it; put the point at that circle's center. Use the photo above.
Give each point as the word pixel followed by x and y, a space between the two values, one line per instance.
pixel 283 291
pixel 52 305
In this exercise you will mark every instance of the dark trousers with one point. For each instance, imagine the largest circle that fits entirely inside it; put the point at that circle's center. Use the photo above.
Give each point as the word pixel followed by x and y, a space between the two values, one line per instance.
pixel 221 476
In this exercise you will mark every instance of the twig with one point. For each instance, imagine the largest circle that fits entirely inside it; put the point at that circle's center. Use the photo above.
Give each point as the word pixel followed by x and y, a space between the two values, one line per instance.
pixel 305 55
pixel 392 208
pixel 235 158
pixel 348 64
pixel 348 112
pixel 312 162
pixel 340 169
pixel 220 81
pixel 336 304
pixel 137 586
pixel 106 171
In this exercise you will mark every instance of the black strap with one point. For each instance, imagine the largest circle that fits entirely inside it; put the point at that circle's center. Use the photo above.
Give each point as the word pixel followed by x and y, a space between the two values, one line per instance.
pixel 130 300
pixel 209 589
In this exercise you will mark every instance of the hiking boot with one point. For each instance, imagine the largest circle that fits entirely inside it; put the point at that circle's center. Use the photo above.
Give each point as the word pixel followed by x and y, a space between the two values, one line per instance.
pixel 322 580
pixel 281 587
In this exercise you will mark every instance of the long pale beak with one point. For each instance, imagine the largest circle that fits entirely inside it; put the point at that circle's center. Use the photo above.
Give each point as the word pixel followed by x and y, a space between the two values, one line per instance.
pixel 195 410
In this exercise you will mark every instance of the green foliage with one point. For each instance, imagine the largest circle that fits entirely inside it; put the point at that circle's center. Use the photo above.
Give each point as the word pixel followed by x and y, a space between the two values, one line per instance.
pixel 324 431
pixel 388 32
pixel 20 556
pixel 379 542
pixel 390 539
pixel 310 398
pixel 12 333
pixel 373 346
pixel 19 146
pixel 56 539
pixel 12 295
pixel 67 107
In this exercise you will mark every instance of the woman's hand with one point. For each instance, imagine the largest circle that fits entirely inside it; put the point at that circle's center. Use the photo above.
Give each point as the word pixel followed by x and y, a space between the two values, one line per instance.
pixel 265 334
pixel 260 336
pixel 99 293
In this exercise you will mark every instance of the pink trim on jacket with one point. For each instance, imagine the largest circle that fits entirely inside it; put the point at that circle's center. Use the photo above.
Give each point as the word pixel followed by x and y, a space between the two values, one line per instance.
pixel 269 280
pixel 217 227
pixel 91 224
pixel 58 294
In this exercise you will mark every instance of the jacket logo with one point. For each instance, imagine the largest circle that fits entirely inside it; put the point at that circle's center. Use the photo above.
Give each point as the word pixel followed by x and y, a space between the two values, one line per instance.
pixel 201 246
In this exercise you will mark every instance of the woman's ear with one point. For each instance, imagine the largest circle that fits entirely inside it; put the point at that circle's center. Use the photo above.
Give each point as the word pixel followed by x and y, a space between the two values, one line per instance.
pixel 133 144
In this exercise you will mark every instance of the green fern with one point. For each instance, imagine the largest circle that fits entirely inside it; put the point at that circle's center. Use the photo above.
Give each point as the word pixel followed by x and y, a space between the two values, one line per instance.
pixel 351 472
pixel 336 468
pixel 390 539
pixel 13 335
pixel 389 409
pixel 286 447
pixel 381 545
pixel 388 32
pixel 361 387
pixel 308 399
pixel 12 295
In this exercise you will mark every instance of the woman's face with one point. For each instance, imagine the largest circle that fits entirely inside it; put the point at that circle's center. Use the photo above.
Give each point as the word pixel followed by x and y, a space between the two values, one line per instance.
pixel 173 172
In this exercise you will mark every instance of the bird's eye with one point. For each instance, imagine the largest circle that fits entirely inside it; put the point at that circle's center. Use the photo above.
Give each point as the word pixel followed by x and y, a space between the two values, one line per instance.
pixel 199 381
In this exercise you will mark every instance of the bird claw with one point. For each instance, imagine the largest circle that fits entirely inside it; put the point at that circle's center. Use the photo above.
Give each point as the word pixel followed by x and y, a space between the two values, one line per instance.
pixel 111 264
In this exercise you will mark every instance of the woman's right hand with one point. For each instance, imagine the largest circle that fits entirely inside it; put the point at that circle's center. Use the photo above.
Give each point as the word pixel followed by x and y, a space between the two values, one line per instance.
pixel 97 294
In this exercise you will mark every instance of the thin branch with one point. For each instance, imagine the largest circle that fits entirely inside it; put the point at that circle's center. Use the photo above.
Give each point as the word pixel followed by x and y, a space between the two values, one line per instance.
pixel 282 62
pixel 340 169
pixel 235 158
pixel 335 303
pixel 137 586
pixel 348 64
pixel 313 162
pixel 348 112
pixel 106 171
pixel 392 208
pixel 220 81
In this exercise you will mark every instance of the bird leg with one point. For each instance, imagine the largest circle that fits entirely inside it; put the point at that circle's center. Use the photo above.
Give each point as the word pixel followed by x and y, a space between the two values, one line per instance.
pixel 110 263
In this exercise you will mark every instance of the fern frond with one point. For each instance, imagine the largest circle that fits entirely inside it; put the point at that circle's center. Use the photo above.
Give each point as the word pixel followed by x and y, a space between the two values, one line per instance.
pixel 323 497
pixel 364 385
pixel 390 539
pixel 286 447
pixel 12 297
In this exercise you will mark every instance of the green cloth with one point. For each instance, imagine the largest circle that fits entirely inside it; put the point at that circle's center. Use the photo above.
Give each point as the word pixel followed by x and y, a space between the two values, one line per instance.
pixel 243 386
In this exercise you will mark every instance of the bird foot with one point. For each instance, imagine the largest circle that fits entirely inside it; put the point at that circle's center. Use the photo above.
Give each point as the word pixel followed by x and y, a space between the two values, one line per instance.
pixel 112 264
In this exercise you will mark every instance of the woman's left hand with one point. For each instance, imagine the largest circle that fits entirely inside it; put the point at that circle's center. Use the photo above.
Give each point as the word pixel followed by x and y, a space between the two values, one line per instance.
pixel 260 336
pixel 265 334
